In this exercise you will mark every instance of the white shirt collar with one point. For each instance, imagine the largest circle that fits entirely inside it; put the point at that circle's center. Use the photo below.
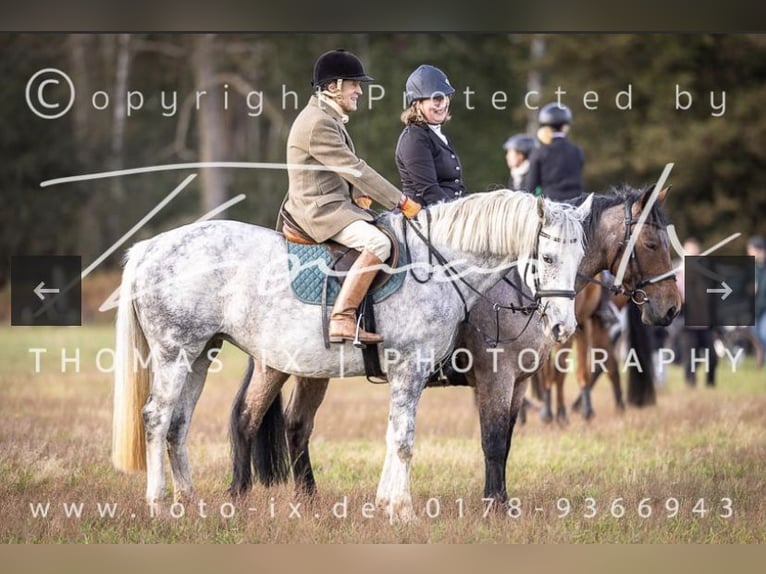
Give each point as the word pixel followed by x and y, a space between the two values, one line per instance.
pixel 437 129
pixel 520 169
pixel 323 99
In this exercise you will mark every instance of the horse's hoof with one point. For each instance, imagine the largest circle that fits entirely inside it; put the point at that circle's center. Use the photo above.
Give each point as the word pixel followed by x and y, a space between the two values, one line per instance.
pixel 237 491
pixel 589 414
pixel 546 417
pixel 561 418
pixel 399 511
pixel 185 497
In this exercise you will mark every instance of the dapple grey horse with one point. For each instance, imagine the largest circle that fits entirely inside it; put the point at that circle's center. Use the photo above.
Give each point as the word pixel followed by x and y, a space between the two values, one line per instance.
pixel 186 291
pixel 505 349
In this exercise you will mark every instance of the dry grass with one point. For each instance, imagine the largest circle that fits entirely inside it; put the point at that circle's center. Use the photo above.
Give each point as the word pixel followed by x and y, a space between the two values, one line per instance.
pixel 697 443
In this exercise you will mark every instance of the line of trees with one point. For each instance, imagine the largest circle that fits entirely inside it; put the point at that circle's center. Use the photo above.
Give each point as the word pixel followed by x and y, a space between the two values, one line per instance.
pixel 639 101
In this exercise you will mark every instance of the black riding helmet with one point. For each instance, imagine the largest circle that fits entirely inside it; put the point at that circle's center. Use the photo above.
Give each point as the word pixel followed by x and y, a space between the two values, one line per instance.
pixel 426 82
pixel 338 65
pixel 554 115
pixel 522 143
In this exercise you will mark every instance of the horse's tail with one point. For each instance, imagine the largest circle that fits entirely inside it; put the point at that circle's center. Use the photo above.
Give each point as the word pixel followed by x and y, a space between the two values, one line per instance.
pixel 266 452
pixel 131 380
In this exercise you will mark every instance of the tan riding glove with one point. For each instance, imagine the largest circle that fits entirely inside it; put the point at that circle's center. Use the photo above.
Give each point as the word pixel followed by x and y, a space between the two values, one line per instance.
pixel 409 207
pixel 363 201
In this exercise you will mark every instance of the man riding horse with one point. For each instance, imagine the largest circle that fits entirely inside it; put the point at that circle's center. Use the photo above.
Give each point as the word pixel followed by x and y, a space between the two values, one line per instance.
pixel 330 205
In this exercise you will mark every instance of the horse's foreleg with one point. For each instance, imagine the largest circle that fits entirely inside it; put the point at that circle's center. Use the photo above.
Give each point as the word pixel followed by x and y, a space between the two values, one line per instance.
pixel 183 489
pixel 304 402
pixel 394 487
pixel 614 376
pixel 546 374
pixel 585 345
pixel 493 395
pixel 561 409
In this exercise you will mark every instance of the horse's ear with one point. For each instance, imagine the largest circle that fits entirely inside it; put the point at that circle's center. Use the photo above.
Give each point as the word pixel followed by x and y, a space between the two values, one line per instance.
pixel 541 207
pixel 660 196
pixel 585 207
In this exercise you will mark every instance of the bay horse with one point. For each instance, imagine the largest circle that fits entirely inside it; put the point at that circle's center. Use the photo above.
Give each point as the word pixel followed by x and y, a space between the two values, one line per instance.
pixel 500 377
pixel 595 353
pixel 186 291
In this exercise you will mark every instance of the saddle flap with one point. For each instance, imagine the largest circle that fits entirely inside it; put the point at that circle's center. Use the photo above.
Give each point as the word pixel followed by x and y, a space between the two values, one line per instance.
pixel 307 283
pixel 342 257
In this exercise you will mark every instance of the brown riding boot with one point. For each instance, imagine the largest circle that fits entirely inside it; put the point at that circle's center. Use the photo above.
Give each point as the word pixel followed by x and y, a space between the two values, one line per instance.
pixel 354 288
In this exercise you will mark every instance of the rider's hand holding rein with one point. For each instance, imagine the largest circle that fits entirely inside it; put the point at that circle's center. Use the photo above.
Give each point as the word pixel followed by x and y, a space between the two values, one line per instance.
pixel 409 207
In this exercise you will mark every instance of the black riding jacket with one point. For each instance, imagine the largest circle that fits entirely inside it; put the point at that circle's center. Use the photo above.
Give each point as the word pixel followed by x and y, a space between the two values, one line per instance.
pixel 430 170
pixel 556 169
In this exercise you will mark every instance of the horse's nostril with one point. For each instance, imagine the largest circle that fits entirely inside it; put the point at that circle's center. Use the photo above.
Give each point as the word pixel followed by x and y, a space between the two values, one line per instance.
pixel 556 330
pixel 672 313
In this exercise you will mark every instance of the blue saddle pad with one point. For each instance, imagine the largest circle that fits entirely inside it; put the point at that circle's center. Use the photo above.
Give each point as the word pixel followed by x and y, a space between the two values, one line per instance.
pixel 313 260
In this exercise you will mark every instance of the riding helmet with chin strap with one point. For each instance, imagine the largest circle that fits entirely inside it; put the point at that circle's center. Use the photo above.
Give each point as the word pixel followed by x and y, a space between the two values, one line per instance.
pixel 338 65
pixel 554 115
pixel 427 82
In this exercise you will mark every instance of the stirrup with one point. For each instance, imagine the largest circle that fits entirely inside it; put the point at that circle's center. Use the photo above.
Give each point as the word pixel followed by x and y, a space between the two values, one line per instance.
pixel 357 342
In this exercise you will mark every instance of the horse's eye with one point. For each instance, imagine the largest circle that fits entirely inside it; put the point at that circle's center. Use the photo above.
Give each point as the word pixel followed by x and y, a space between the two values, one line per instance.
pixel 547 259
pixel 650 245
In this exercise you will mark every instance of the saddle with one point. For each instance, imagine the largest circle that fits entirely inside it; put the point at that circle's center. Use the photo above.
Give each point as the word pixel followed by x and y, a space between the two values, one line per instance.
pixel 315 287
pixel 342 257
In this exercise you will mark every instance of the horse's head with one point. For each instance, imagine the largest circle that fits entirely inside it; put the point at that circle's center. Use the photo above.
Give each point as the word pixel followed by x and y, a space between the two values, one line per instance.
pixel 551 270
pixel 648 278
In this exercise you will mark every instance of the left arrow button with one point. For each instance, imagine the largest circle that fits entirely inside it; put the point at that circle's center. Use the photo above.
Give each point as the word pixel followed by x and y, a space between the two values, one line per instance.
pixel 39 290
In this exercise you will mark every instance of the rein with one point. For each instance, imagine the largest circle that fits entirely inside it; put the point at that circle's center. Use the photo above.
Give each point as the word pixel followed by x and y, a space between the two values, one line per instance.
pixel 434 253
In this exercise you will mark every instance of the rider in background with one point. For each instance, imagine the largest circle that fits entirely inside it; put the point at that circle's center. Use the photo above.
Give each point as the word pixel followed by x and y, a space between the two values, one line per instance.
pixel 428 164
pixel 333 205
pixel 555 167
pixel 518 148
pixel 555 171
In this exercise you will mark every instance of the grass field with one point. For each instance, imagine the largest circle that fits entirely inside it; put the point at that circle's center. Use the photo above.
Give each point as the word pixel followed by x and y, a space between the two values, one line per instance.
pixel 645 471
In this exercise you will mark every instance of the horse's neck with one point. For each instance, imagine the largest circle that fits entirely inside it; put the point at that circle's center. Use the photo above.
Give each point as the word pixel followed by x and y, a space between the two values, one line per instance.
pixel 481 272
pixel 596 256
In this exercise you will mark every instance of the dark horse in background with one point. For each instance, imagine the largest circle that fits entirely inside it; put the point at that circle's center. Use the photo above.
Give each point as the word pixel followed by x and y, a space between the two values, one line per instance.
pixel 501 381
pixel 596 354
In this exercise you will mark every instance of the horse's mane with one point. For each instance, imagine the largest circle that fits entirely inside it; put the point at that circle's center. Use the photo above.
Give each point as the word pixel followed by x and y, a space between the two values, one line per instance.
pixel 498 222
pixel 617 195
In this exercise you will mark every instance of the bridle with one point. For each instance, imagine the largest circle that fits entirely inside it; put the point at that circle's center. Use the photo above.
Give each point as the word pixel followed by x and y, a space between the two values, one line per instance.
pixel 540 293
pixel 634 290
pixel 528 309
